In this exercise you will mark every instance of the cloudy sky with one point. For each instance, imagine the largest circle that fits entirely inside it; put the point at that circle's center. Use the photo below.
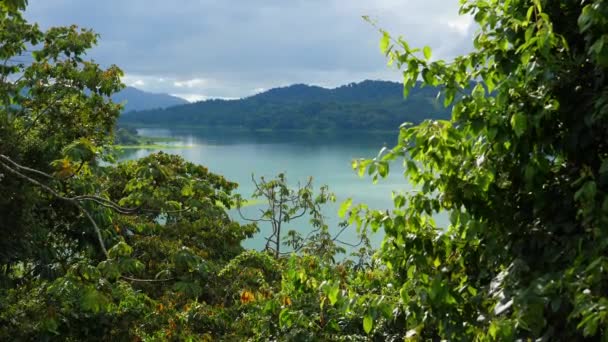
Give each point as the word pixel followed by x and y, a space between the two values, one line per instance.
pixel 199 49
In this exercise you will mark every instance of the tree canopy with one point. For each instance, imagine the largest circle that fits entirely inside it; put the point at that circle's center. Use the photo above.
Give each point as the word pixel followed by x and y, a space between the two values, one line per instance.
pixel 522 170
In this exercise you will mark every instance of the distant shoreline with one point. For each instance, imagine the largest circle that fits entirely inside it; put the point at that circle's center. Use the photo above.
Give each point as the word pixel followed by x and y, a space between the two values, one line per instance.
pixel 259 130
pixel 151 147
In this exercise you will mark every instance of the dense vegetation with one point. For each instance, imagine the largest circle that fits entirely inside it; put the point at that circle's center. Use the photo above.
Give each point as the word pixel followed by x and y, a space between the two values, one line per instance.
pixel 375 105
pixel 144 250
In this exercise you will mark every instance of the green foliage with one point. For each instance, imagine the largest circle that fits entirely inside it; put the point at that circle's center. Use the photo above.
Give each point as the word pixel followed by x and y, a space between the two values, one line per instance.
pixel 93 249
pixel 57 102
pixel 284 205
pixel 518 169
pixel 144 250
pixel 126 136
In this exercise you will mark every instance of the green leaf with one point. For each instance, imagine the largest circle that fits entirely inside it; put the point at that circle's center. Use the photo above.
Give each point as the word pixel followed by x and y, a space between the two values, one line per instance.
pixel 529 13
pixel 552 105
pixel 493 330
pixel 80 150
pixel 519 123
pixel 385 43
pixel 404 295
pixel 109 269
pixel 503 44
pixel 187 190
pixel 333 292
pixel 586 192
pixel 436 290
pixel 427 52
pixel 371 169
pixel 361 171
pixel 585 19
pixel 368 323
pixel 344 207
pixel 92 300
pixel 399 201
pixel 121 249
pixel 449 97
pixel 383 168
pixel 479 92
pixel 411 271
pixel 285 318
pixel 525 57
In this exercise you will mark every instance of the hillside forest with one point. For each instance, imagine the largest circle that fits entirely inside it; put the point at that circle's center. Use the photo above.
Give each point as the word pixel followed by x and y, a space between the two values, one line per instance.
pixel 367 105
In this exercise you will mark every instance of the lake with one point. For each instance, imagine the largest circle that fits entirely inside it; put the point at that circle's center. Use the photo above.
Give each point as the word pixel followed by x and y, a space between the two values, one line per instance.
pixel 237 154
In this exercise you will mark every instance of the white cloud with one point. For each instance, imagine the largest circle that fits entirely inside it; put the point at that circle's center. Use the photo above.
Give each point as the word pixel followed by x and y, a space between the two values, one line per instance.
pixel 461 24
pixel 191 97
pixel 213 49
pixel 145 82
pixel 192 83
pixel 133 81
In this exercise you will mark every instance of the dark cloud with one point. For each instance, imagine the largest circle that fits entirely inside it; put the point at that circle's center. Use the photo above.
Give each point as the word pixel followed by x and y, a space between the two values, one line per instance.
pixel 220 48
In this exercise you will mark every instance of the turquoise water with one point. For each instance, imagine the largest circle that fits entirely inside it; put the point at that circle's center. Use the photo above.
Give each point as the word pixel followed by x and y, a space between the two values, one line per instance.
pixel 324 156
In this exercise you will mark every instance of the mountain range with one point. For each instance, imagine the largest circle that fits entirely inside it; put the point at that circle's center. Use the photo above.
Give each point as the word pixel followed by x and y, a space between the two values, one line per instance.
pixel 135 99
pixel 364 105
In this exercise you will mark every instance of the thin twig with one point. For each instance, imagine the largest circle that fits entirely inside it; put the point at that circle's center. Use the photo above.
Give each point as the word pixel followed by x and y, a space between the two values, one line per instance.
pixel 146 280
pixel 350 244
pixel 335 238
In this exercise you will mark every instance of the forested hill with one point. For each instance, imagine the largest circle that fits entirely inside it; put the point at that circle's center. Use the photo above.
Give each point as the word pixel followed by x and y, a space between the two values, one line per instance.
pixel 364 105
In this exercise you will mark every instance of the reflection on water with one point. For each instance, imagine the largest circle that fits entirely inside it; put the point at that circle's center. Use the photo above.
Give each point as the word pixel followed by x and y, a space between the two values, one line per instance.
pixel 324 156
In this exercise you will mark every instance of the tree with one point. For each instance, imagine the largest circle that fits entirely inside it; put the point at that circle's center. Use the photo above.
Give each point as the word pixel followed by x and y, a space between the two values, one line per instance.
pixel 52 101
pixel 522 171
pixel 90 248
pixel 284 205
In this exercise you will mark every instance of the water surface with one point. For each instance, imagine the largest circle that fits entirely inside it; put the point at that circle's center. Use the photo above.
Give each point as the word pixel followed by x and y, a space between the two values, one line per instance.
pixel 237 154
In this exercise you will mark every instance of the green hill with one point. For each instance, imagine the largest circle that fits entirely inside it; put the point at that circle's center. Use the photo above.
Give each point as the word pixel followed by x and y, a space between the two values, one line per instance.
pixel 366 105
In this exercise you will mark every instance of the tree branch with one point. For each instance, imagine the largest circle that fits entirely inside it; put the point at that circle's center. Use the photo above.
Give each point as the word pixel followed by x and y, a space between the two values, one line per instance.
pixel 67 199
pixel 38 172
pixel 76 202
pixel 350 244
pixel 146 280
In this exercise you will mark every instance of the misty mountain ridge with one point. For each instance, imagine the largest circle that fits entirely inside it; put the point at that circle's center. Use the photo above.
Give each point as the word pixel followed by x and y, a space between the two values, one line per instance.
pixel 136 99
pixel 353 92
pixel 364 105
